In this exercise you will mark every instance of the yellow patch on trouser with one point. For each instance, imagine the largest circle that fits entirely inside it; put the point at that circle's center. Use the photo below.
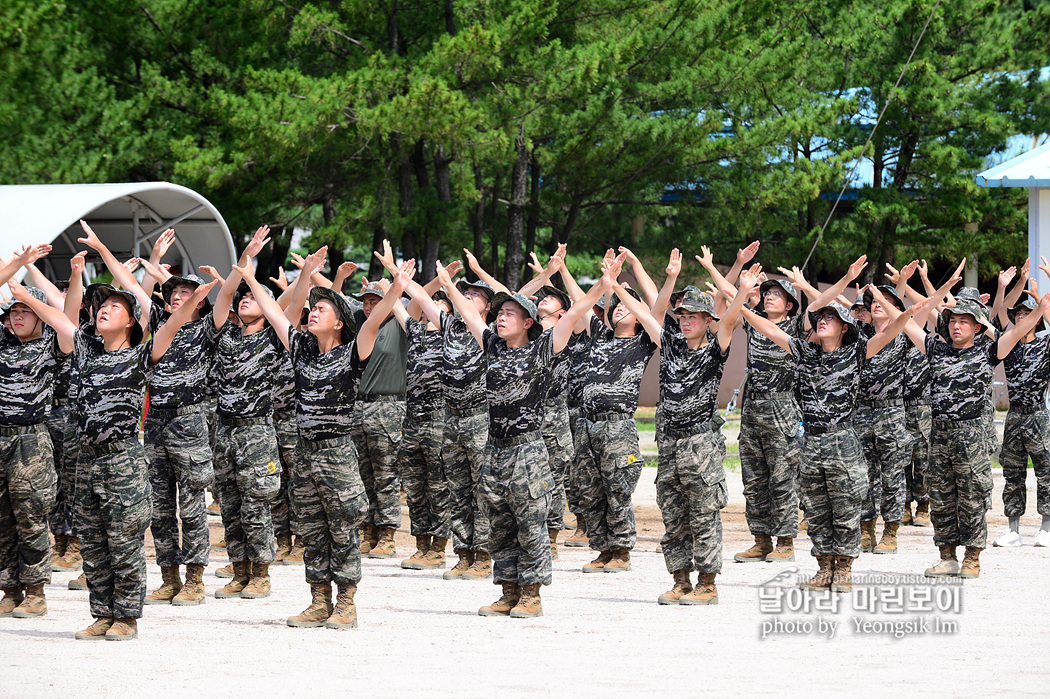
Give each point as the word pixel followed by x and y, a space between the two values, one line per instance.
pixel 631 458
pixel 271 467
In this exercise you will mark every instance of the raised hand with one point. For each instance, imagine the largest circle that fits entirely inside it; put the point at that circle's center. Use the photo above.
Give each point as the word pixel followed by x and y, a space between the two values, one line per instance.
pixel 442 273
pixel 347 269
pixel 747 280
pixel 924 270
pixel 404 276
pixel 453 268
pixel 857 267
pixel 297 260
pixel 909 269
pixel 957 275
pixel 705 257
pixel 164 242
pixel 1026 268
pixel 153 271
pixel 535 265
pixel 789 273
pixel 674 263
pixel 201 292
pixel 258 241
pixel 281 280
pixel 747 254
pixel 31 253
pixel 387 256
pixel 211 272
pixel 76 263
pixel 89 239
pixel 1006 276
pixel 1045 266
pixel 247 271
pixel 132 264
pixel 471 260
pixel 315 261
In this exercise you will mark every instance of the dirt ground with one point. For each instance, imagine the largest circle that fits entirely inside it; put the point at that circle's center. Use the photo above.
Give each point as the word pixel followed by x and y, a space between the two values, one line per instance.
pixel 601 634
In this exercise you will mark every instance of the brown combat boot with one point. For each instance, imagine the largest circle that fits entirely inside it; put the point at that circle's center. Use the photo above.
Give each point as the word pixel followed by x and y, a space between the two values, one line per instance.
pixel 784 552
pixel 319 610
pixel 95 632
pixel 553 534
pixel 803 523
pixel 842 577
pixel 34 603
pixel 598 564
pixel 221 546
pixel 434 558
pixel 422 546
pixel 78 583
pixel 284 547
pixel 192 592
pixel 466 559
pixel 369 538
pixel 12 598
pixel 213 509
pixel 823 578
pixel 345 614
pixel 528 605
pixel 241 577
pixel 922 515
pixel 170 587
pixel 947 567
pixel 123 630
pixel 971 566
pixel 620 561
pixel 225 572
pixel 682 586
pixel 385 546
pixel 705 591
pixel 295 556
pixel 57 549
pixel 70 559
pixel 867 536
pixel 888 543
pixel 259 585
pixel 579 537
pixel 762 548
pixel 504 604
pixel 906 517
pixel 480 569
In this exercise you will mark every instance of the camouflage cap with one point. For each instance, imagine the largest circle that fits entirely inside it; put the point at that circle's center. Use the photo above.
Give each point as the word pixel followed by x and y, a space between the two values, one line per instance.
pixel 852 334
pixel 136 310
pixel 36 293
pixel 969 293
pixel 463 285
pixel 611 311
pixel 372 288
pixel 243 289
pixel 888 291
pixel 788 288
pixel 190 280
pixel 527 305
pixel 342 309
pixel 967 307
pixel 557 293
pixel 1028 303
pixel 678 295
pixel 696 301
pixel 93 296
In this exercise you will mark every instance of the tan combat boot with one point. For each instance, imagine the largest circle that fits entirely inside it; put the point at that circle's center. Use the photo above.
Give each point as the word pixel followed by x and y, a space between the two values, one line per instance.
pixel 95 632
pixel 284 547
pixel 867 536
pixel 35 604
pixel 213 509
pixel 553 534
pixel 78 583
pixel 344 616
pixel 71 559
pixel 922 515
pixel 480 569
pixel 947 567
pixel 319 610
pixel 221 546
pixel 803 523
pixel 385 546
pixel 12 598
pixel 259 585
pixel 422 546
pixel 822 580
pixel 705 591
pixel 971 565
pixel 123 630
pixel 579 537
pixel 784 552
pixel 241 576
pixel 906 518
pixel 682 586
pixel 170 586
pixel 762 548
pixel 192 592
pixel 225 572
pixel 369 538
pixel 434 558
pixel 466 559
pixel 620 561
pixel 528 605
pixel 888 543
pixel 295 556
pixel 598 564
pixel 504 604
pixel 842 578
pixel 57 549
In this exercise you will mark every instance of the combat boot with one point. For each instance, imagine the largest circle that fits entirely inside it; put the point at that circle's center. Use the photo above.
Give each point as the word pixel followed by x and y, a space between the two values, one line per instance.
pixel 867 536
pixel 553 534
pixel 906 518
pixel 95 632
pixel 70 559
pixel 170 586
pixel 784 552
pixel 225 572
pixel 822 580
pixel 422 546
pixel 284 547
pixel 803 523
pixel 34 603
pixel 369 538
pixel 971 566
pixel 192 592
pixel 434 558
pixel 922 515
pixel 221 546
pixel 599 563
pixel 295 556
pixel 620 561
pixel 842 579
pixel 705 591
pixel 579 537
pixel 259 585
pixel 12 598
pixel 528 605
pixel 762 548
pixel 123 630
pixel 57 549
pixel 213 509
pixel 682 586
pixel 345 614
pixel 78 583
pixel 241 577
pixel 319 610
pixel 888 544
pixel 385 546
pixel 948 565
pixel 466 559
pixel 480 569
pixel 504 604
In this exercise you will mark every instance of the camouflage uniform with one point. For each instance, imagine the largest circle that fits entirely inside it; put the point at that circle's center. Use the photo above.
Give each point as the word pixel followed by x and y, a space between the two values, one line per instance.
pixel 63 432
pixel 918 423
pixel 287 446
pixel 1027 430
pixel 579 351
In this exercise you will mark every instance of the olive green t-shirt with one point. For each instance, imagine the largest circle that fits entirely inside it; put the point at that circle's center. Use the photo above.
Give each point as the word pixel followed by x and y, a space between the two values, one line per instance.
pixel 385 372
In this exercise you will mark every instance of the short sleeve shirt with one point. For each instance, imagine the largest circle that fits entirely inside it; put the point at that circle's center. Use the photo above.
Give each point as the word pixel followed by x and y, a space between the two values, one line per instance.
pixel 1027 369
pixel 110 388
pixel 916 375
pixel 27 376
pixel 385 373
pixel 516 384
pixel 689 380
pixel 325 386
pixel 883 375
pixel 579 353
pixel 425 388
pixel 827 381
pixel 463 365
pixel 960 379
pixel 246 371
pixel 180 377
pixel 769 368
pixel 614 370
pixel 284 387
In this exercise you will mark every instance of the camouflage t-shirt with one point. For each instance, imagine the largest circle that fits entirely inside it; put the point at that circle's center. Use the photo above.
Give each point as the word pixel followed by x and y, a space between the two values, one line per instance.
pixel 325 386
pixel 579 352
pixel 426 392
pixel 558 385
pixel 769 368
pixel 916 375
pixel 463 365
pixel 827 381
pixel 63 370
pixel 110 388
pixel 689 380
pixel 284 387
pixel 246 371
pixel 960 379
pixel 180 377
pixel 27 375
pixel 883 375
pixel 1027 369
pixel 516 383
pixel 614 370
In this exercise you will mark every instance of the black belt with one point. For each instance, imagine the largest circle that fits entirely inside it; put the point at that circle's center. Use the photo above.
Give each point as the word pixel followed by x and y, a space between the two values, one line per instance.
pixel 382 398
pixel 957 423
pixel 318 444
pixel 108 448
pixel 912 402
pixel 816 430
pixel 231 421
pixel 15 430
pixel 878 404
pixel 466 412
pixel 608 417
pixel 768 395
pixel 1021 410
pixel 514 441
pixel 709 426
pixel 169 413
pixel 426 415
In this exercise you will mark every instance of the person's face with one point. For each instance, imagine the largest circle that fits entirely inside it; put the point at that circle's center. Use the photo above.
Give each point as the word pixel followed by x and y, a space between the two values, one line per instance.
pixel 693 324
pixel 479 298
pixel 444 305
pixel 114 316
pixel 962 329
pixel 550 311
pixel 181 294
pixel 248 309
pixel 878 312
pixel 829 325
pixel 323 319
pixel 775 301
pixel 512 321
pixel 1021 314
pixel 860 313
pixel 621 313
pixel 369 302
pixel 22 321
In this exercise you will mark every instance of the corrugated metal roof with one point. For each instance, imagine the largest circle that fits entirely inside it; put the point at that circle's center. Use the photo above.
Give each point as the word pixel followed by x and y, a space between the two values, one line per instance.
pixel 1029 170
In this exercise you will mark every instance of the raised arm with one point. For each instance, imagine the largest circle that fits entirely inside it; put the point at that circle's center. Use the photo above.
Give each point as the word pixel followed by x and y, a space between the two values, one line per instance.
pixel 743 256
pixel 732 314
pixel 160 249
pixel 317 278
pixel 475 323
pixel 213 273
pixel 47 313
pixel 166 333
pixel 37 279
pixel 838 287
pixel 641 313
pixel 422 300
pixel 543 275
pixel 796 277
pixel 646 287
pixel 563 329
pixel 663 299
pixel 767 328
pixel 898 321
pixel 708 263
pixel 29 253
pixel 366 334
pixel 221 310
pixel 484 276
pixel 272 310
pixel 1011 337
pixel 75 293
pixel 120 273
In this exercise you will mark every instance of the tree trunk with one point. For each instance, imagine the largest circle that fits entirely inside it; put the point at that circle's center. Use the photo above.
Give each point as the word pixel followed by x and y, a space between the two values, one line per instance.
pixel 450 18
pixel 375 267
pixel 516 215
pixel 533 218
pixel 477 219
pixel 570 221
pixel 493 218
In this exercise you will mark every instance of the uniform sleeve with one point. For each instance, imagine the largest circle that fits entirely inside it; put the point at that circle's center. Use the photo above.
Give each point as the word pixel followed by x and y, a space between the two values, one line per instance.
pixel 800 349
pixel 545 355
pixel 491 341
pixel 993 352
pixel 931 342
pixel 145 357
pixel 211 333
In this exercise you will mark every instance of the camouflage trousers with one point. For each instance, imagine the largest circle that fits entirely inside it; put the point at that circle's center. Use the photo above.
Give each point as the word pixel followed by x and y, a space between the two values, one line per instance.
pixel 558 438
pixel 960 482
pixel 886 444
pixel 515 490
pixel 1025 436
pixel 287 430
pixel 833 481
pixel 112 510
pixel 769 464
pixel 610 465
pixel 464 443
pixel 572 478
pixel 248 477
pixel 329 503
pixel 28 487
pixel 377 436
pixel 179 454
pixel 691 492
pixel 423 473
pixel 918 423
pixel 65 445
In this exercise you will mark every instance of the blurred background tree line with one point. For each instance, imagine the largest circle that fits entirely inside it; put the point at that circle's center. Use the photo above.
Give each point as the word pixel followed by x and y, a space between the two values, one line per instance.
pixel 515 125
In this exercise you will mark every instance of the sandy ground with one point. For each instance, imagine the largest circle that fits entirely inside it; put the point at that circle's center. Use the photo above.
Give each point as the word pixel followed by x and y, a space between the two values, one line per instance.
pixel 601 634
